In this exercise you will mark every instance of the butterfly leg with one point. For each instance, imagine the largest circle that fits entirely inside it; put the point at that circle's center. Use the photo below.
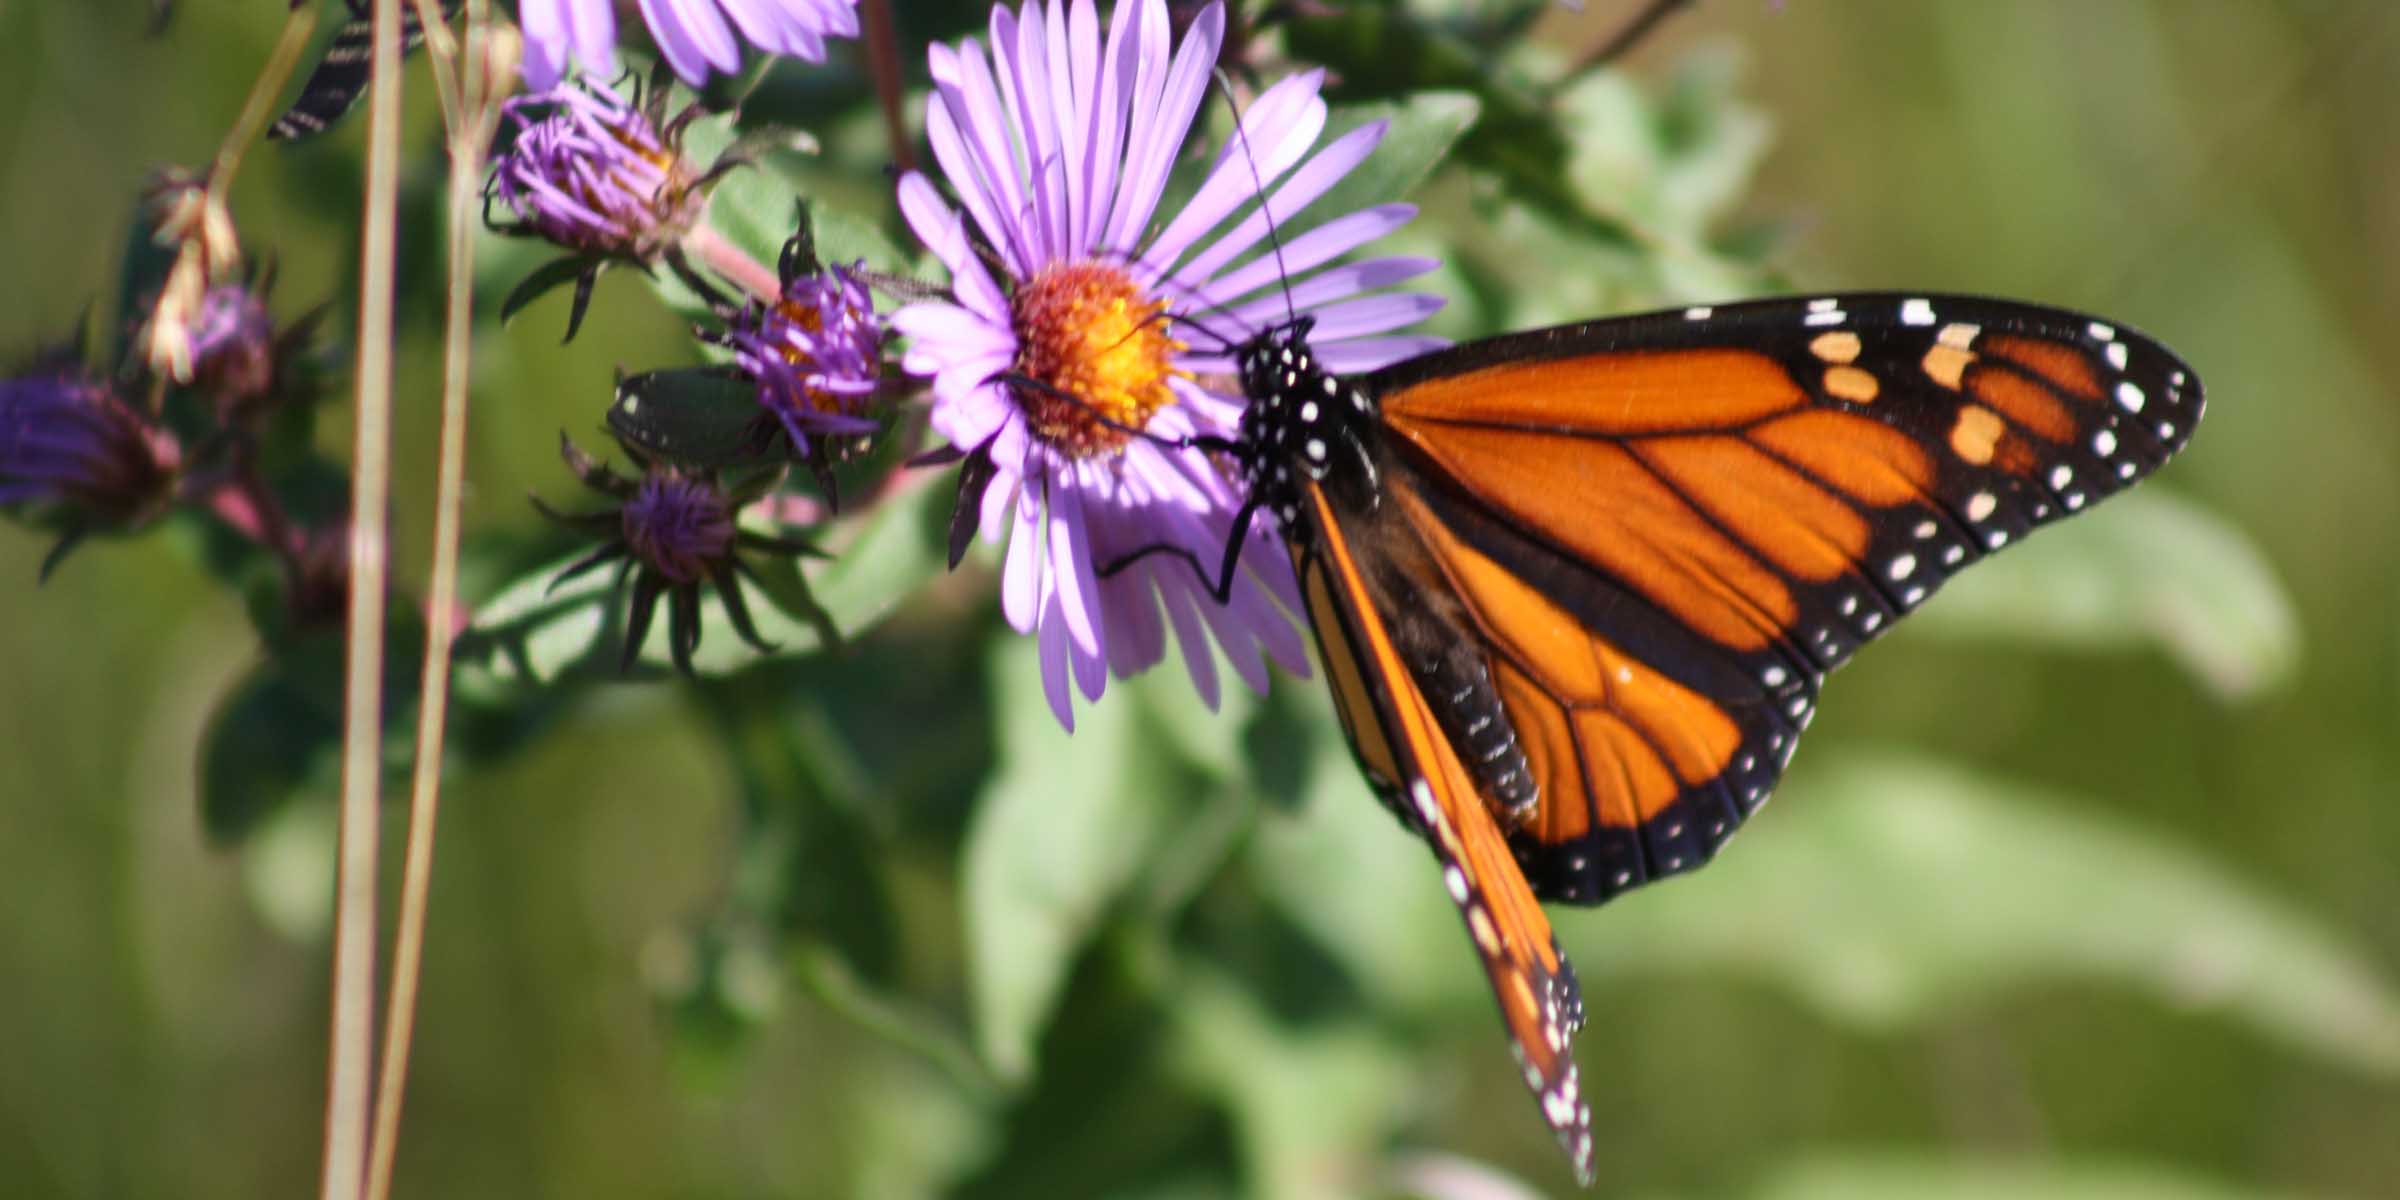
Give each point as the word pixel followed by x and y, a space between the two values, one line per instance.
pixel 1220 585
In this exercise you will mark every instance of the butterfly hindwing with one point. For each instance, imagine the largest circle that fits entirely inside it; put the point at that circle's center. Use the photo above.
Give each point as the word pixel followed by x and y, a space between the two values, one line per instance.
pixel 1667 528
pixel 1411 761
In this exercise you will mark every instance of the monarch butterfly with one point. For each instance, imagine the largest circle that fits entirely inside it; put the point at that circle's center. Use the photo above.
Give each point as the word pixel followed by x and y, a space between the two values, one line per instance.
pixel 1576 589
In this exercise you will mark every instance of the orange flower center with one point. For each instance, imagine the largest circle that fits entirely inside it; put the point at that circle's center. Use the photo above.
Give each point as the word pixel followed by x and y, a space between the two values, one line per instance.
pixel 807 317
pixel 1097 353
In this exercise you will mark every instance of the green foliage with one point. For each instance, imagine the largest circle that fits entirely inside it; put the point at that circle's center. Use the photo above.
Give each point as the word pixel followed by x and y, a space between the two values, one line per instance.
pixel 1885 889
pixel 856 917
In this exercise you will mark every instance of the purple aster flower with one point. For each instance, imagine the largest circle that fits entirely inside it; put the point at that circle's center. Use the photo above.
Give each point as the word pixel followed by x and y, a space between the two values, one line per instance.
pixel 1058 148
pixel 817 354
pixel 67 439
pixel 696 36
pixel 594 173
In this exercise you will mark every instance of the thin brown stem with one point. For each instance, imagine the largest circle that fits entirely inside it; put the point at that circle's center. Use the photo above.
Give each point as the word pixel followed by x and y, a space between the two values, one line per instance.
pixel 483 75
pixel 1641 26
pixel 349 1070
pixel 883 63
pixel 260 105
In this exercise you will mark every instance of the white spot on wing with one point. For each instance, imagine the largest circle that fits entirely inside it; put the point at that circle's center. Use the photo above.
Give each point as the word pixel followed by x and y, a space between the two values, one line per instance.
pixel 2103 332
pixel 2130 396
pixel 1916 312
pixel 2116 355
pixel 1902 566
pixel 1981 505
pixel 1698 312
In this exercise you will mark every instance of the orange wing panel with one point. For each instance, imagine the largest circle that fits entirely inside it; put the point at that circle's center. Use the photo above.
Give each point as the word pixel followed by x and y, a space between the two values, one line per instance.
pixel 1615 394
pixel 1608 737
pixel 1869 461
pixel 1803 528
pixel 2023 401
pixel 1353 701
pixel 1597 502
pixel 1568 808
pixel 2066 367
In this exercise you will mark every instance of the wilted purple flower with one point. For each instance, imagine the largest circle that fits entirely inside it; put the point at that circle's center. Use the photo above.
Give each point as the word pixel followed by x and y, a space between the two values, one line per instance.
pixel 697 36
pixel 233 344
pixel 67 439
pixel 817 354
pixel 591 172
pixel 1059 149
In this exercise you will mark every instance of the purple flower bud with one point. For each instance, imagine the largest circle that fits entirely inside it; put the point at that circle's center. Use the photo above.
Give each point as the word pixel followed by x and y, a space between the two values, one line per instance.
pixel 817 354
pixel 591 172
pixel 678 525
pixel 66 439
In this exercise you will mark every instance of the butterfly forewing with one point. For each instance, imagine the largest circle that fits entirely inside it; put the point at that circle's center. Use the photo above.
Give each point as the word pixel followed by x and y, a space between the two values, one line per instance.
pixel 1667 528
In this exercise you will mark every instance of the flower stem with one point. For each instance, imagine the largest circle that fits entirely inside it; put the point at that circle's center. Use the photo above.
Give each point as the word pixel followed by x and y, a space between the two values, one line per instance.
pixel 297 27
pixel 732 262
pixel 471 109
pixel 353 1021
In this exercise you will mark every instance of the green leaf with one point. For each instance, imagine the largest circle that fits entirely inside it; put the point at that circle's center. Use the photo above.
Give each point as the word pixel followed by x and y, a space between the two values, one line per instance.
pixel 1062 831
pixel 1401 938
pixel 2151 568
pixel 1299 1097
pixel 1424 126
pixel 531 635
pixel 1899 1175
pixel 701 417
pixel 1672 166
pixel 1896 888
pixel 269 740
pixel 1384 52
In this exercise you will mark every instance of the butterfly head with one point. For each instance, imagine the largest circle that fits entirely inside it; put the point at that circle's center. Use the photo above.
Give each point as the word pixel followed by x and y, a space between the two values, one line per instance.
pixel 1302 421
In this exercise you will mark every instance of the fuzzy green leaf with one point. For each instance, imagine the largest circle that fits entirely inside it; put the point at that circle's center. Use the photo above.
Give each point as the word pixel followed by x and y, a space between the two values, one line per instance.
pixel 1885 889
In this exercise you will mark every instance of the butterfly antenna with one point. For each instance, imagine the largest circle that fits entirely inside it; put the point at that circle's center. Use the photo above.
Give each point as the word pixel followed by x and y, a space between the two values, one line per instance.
pixel 1265 209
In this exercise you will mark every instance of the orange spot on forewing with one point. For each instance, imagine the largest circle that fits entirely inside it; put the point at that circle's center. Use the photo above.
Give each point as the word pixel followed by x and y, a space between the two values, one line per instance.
pixel 1976 434
pixel 1946 364
pixel 1853 384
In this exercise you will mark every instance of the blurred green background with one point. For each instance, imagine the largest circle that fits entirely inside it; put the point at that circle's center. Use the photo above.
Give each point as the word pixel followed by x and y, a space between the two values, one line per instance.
pixel 2084 885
